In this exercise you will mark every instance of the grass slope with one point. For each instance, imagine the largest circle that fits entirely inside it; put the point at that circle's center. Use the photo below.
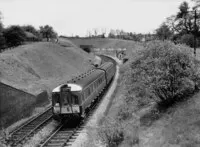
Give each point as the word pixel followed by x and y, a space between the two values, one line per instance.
pixel 42 65
pixel 36 68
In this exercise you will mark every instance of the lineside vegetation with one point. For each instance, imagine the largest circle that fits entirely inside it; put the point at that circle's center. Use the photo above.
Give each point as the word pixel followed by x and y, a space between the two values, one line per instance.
pixel 162 73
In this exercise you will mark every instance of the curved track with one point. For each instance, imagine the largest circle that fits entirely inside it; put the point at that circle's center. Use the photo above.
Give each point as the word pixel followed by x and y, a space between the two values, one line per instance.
pixel 29 128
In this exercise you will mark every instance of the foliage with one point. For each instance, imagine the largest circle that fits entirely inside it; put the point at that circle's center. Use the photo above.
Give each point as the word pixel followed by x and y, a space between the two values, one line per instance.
pixel 47 32
pixel 163 72
pixel 185 24
pixel 111 132
pixel 2 41
pixel 31 29
pixel 125 112
pixel 187 39
pixel 197 3
pixel 2 38
pixel 14 36
pixel 163 32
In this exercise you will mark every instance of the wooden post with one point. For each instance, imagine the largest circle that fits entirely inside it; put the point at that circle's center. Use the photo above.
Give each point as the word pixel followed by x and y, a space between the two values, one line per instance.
pixel 195 31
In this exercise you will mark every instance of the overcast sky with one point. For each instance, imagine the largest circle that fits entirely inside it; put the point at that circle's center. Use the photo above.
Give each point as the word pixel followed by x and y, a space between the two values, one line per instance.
pixel 78 16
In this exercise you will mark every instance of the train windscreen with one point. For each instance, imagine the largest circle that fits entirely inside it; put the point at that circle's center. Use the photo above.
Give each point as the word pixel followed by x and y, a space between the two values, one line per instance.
pixel 68 98
pixel 55 98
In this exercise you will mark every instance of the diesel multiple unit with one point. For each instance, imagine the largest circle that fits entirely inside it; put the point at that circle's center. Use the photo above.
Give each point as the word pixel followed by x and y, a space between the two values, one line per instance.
pixel 76 96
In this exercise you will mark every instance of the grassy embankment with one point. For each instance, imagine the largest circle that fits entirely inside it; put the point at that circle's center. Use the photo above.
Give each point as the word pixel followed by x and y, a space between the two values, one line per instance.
pixel 136 120
pixel 33 70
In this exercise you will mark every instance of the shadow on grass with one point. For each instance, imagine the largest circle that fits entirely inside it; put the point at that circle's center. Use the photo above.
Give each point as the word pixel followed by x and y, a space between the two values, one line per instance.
pixel 161 108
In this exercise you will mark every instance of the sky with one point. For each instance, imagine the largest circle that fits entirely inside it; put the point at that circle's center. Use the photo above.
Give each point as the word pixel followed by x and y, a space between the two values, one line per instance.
pixel 77 17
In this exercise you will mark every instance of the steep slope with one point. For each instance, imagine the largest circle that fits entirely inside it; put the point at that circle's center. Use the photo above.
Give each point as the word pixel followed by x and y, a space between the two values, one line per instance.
pixel 42 66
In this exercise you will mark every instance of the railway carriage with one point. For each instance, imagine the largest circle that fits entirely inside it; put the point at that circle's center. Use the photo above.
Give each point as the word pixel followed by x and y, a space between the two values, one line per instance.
pixel 75 97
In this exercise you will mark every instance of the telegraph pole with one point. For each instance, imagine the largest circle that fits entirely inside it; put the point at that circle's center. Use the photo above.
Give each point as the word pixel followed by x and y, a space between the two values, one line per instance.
pixel 195 30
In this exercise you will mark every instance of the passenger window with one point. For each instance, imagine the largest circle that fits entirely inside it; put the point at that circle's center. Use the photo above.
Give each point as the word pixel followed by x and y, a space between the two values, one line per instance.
pixel 91 88
pixel 96 83
pixel 89 92
pixel 75 99
pixel 85 94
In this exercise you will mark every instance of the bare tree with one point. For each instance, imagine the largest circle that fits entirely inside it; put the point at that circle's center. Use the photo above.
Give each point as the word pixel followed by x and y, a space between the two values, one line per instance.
pixel 95 32
pixel 197 3
pixel 103 31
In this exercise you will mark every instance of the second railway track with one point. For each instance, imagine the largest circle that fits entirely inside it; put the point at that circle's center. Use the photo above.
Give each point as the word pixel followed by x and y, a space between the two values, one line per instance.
pixel 29 128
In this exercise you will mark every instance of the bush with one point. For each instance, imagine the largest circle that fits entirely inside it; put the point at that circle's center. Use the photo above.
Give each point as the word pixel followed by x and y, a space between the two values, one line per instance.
pixel 124 112
pixel 111 132
pixel 163 72
pixel 14 36
pixel 2 42
pixel 187 39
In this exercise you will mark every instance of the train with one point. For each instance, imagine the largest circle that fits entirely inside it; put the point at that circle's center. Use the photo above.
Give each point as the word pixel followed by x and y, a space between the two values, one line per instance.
pixel 76 96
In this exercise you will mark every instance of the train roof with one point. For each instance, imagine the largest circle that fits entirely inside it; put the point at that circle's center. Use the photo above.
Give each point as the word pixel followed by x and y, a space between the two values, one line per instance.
pixel 73 87
pixel 80 82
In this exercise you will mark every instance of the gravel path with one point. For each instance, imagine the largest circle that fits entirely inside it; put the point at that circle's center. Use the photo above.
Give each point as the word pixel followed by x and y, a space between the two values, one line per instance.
pixel 82 139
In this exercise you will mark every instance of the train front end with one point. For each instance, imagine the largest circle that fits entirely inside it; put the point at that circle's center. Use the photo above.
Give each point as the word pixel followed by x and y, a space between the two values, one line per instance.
pixel 65 101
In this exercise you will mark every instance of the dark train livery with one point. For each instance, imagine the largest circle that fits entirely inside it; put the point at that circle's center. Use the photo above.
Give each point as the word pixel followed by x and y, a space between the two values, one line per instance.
pixel 76 96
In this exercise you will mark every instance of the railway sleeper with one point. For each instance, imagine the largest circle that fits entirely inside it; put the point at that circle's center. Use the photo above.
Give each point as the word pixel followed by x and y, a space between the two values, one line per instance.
pixel 58 140
pixel 55 144
pixel 60 137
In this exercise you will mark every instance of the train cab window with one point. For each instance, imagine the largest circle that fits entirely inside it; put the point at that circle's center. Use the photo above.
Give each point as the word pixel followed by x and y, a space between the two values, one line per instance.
pixel 55 98
pixel 75 99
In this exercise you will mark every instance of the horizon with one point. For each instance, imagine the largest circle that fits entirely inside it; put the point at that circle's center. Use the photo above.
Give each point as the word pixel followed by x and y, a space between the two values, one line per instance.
pixel 76 17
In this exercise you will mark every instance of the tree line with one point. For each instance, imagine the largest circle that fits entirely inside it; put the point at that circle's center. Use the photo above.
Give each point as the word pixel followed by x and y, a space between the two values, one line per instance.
pixel 16 35
pixel 182 27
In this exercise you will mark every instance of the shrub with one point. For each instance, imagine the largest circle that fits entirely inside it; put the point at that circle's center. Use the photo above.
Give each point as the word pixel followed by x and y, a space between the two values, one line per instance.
pixel 187 39
pixel 14 36
pixel 111 132
pixel 163 72
pixel 124 112
pixel 2 42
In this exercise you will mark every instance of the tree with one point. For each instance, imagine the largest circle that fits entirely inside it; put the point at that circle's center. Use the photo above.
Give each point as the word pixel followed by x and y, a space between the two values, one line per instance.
pixel 31 29
pixel 1 25
pixel 187 39
pixel 111 34
pixel 2 38
pixel 48 32
pixel 14 36
pixel 95 32
pixel 197 3
pixel 163 72
pixel 163 32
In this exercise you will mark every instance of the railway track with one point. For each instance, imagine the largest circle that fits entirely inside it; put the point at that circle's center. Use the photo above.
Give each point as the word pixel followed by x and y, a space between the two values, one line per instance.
pixel 67 132
pixel 29 128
